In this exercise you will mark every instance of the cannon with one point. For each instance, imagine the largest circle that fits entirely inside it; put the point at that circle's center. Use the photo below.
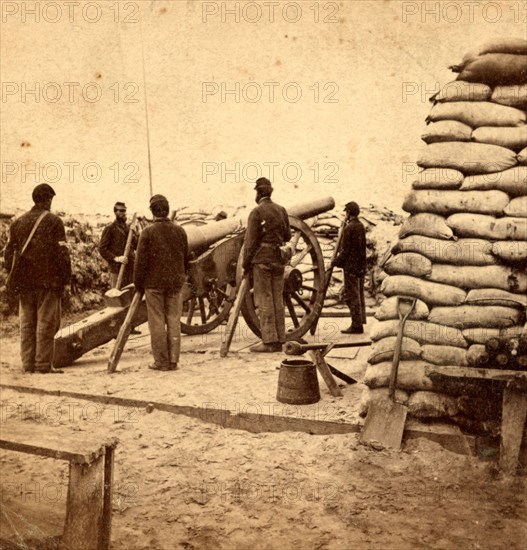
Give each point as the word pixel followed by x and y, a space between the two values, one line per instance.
pixel 215 272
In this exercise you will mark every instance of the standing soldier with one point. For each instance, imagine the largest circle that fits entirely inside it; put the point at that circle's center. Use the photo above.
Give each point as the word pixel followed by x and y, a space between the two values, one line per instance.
pixel 160 270
pixel 352 259
pixel 267 230
pixel 37 257
pixel 113 243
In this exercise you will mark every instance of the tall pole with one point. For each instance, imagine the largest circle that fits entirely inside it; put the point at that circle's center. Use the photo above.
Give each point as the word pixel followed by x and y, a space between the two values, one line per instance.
pixel 146 111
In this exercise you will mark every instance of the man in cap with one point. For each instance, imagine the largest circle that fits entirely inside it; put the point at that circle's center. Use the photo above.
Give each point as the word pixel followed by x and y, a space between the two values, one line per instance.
pixel 267 230
pixel 113 243
pixel 351 258
pixel 44 268
pixel 161 265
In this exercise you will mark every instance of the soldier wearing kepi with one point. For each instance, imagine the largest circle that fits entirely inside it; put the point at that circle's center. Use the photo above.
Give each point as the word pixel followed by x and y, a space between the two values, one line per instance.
pixel 113 243
pixel 267 230
pixel 352 259
pixel 38 257
pixel 161 265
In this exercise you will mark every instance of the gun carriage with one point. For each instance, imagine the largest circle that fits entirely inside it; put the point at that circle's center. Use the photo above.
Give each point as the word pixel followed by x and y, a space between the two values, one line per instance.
pixel 215 272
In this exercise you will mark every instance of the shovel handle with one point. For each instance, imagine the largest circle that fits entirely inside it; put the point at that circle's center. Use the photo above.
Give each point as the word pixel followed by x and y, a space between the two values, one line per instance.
pixel 398 345
pixel 127 249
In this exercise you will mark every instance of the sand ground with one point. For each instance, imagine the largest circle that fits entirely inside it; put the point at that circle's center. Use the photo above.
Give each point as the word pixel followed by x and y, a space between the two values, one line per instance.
pixel 184 482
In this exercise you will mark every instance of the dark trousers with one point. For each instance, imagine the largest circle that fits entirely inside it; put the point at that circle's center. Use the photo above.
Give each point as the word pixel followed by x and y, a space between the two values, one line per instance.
pixel 268 284
pixel 39 311
pixel 354 296
pixel 164 321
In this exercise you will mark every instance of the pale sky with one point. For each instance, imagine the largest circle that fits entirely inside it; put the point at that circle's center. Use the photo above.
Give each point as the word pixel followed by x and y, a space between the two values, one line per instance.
pixel 327 98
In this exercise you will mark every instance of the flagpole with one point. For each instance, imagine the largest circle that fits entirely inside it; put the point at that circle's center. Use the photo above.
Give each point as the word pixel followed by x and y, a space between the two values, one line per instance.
pixel 146 111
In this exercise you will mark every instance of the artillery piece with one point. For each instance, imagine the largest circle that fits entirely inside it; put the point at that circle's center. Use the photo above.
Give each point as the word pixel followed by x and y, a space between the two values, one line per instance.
pixel 208 295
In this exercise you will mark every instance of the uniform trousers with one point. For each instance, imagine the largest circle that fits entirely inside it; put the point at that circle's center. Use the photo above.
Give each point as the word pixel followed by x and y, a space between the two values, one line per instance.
pixel 268 284
pixel 164 321
pixel 39 311
pixel 354 297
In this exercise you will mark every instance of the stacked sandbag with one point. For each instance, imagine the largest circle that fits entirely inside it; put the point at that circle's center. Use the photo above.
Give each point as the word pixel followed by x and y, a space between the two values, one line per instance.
pixel 462 253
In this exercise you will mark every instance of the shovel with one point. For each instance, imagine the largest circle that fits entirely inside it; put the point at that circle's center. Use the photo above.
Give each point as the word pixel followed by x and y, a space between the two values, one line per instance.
pixel 384 424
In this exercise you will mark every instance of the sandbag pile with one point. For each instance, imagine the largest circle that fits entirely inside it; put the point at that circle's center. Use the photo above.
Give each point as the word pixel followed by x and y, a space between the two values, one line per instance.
pixel 462 253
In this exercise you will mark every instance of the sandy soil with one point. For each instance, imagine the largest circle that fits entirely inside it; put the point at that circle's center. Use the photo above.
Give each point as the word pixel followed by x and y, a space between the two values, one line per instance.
pixel 182 482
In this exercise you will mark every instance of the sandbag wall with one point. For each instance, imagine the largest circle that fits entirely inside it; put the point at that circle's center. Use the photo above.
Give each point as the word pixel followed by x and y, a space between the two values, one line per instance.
pixel 462 252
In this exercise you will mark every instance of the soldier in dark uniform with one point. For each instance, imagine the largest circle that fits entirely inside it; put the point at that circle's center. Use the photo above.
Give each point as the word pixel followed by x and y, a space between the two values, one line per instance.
pixel 267 230
pixel 113 243
pixel 161 266
pixel 43 270
pixel 352 259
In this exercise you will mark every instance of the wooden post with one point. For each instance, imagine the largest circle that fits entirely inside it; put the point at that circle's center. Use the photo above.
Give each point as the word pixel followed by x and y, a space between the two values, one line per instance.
pixel 233 317
pixel 318 359
pixel 84 512
pixel 106 530
pixel 513 413
pixel 124 332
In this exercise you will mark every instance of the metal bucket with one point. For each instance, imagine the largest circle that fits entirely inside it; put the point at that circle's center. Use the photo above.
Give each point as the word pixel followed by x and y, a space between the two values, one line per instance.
pixel 298 382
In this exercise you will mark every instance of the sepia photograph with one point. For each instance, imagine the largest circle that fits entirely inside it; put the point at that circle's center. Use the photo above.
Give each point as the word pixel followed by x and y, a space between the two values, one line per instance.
pixel 263 274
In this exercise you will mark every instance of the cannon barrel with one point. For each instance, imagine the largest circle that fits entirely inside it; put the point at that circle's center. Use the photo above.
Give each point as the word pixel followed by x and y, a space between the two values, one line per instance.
pixel 200 238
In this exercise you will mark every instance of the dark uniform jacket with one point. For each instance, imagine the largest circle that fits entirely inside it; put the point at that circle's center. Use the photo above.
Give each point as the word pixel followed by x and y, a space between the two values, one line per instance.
pixel 162 257
pixel 352 254
pixel 113 243
pixel 46 261
pixel 268 224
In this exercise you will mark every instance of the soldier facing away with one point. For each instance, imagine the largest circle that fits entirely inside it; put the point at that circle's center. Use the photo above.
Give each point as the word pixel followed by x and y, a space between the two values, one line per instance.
pixel 161 265
pixel 38 255
pixel 267 230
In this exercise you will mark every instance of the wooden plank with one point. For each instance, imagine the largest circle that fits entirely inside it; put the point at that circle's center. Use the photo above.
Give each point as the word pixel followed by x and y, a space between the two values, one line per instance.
pixel 84 514
pixel 514 413
pixel 318 359
pixel 41 440
pixel 251 422
pixel 473 372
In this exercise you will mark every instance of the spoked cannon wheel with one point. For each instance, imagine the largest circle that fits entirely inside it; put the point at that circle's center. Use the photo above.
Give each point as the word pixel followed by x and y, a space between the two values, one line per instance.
pixel 303 284
pixel 201 314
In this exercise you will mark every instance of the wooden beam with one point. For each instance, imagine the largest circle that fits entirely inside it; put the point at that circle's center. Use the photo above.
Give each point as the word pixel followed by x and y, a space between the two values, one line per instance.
pixel 474 372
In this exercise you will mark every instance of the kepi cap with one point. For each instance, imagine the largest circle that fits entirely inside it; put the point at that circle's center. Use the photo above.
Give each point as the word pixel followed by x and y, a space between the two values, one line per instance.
pixel 119 204
pixel 263 183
